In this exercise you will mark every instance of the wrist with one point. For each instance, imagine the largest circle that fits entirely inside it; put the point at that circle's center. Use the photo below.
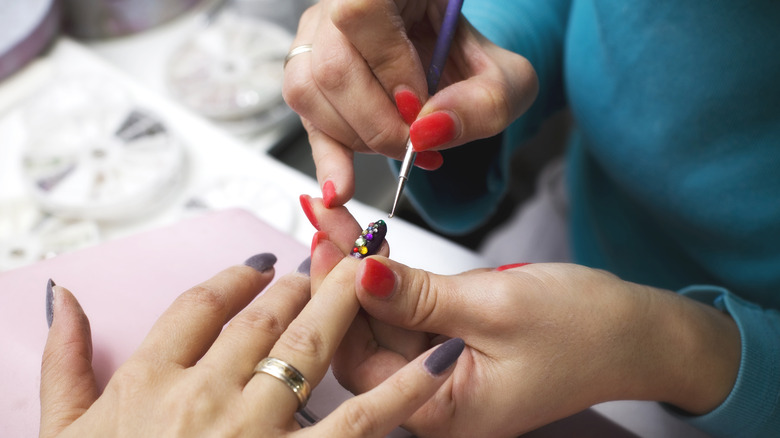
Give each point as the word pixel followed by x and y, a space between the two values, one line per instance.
pixel 694 353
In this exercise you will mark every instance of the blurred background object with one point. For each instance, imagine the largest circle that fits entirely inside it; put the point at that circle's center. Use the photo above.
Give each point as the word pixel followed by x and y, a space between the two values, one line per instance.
pixel 98 19
pixel 26 29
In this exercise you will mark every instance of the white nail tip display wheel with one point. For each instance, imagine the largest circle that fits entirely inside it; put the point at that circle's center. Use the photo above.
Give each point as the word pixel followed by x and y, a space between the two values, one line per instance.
pixel 91 153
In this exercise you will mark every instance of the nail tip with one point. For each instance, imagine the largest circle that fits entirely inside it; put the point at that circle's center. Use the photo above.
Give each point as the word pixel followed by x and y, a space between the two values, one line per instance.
pixel 305 267
pixel 328 193
pixel 262 262
pixel 50 302
pixel 444 356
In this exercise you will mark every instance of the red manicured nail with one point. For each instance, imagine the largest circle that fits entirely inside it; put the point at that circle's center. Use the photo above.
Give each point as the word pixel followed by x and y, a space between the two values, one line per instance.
pixel 513 265
pixel 308 211
pixel 377 279
pixel 328 193
pixel 431 131
pixel 429 160
pixel 315 240
pixel 408 105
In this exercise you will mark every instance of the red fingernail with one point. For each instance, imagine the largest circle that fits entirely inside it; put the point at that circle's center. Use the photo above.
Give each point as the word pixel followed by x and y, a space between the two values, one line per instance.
pixel 308 211
pixel 408 105
pixel 315 240
pixel 431 131
pixel 328 193
pixel 513 265
pixel 377 279
pixel 429 160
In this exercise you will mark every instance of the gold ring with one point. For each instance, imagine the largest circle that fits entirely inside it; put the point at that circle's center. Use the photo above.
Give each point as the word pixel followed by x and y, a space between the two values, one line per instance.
pixel 287 374
pixel 303 48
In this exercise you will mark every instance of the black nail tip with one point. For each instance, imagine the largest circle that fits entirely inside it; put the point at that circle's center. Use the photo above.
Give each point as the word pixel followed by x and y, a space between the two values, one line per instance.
pixel 370 240
pixel 261 262
pixel 305 267
pixel 50 302
pixel 444 356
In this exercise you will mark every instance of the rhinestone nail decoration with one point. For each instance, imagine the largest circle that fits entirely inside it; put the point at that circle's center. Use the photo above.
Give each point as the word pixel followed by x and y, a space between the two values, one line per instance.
pixel 370 239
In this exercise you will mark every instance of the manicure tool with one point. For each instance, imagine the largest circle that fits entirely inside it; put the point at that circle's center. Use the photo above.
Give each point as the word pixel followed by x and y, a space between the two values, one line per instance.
pixel 440 53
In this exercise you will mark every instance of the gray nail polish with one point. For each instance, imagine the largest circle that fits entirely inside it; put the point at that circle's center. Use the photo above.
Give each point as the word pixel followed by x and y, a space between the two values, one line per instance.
pixel 444 356
pixel 261 262
pixel 50 302
pixel 370 240
pixel 305 267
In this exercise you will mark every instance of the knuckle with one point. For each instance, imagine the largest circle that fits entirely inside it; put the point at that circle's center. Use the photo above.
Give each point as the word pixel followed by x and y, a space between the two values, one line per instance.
pixel 305 339
pixel 130 379
pixel 213 299
pixel 424 308
pixel 382 138
pixel 493 98
pixel 299 92
pixel 358 419
pixel 407 387
pixel 346 13
pixel 333 71
pixel 261 320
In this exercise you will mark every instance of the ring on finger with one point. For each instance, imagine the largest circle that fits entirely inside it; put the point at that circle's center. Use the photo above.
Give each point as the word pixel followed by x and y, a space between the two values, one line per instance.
pixel 297 50
pixel 287 374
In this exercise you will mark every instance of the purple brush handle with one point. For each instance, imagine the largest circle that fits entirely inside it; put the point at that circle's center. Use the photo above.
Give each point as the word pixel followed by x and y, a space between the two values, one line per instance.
pixel 443 43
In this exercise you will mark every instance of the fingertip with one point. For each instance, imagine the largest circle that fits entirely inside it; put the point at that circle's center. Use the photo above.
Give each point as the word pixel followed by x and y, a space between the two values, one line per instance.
pixel 68 384
pixel 429 160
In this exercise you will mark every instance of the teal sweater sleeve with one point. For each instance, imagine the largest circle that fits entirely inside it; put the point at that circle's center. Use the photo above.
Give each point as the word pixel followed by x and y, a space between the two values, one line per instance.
pixel 672 169
pixel 463 193
pixel 752 410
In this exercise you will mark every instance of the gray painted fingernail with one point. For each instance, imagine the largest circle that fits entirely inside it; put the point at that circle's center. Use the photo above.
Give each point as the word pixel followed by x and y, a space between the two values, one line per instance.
pixel 305 267
pixel 261 262
pixel 50 302
pixel 444 356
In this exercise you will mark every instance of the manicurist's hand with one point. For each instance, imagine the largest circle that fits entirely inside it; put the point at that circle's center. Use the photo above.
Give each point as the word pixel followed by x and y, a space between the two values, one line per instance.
pixel 192 378
pixel 544 341
pixel 363 83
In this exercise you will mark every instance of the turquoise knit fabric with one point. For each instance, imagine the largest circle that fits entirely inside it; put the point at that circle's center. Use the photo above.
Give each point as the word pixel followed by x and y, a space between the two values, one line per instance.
pixel 674 167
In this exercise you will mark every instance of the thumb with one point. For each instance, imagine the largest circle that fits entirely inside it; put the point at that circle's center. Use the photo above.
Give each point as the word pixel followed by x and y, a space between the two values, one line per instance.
pixel 418 300
pixel 68 386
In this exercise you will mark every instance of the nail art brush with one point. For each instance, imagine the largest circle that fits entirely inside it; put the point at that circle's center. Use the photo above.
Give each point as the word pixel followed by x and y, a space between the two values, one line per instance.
pixel 440 53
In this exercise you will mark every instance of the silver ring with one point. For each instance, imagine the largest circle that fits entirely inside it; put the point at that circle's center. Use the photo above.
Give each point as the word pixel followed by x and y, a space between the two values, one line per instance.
pixel 303 48
pixel 287 374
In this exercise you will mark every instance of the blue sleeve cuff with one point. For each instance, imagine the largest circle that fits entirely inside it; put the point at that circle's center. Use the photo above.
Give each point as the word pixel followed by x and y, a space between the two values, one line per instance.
pixel 753 407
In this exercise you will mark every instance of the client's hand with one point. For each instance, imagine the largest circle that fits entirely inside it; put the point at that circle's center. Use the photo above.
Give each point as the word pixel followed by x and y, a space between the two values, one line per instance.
pixel 194 376
pixel 544 341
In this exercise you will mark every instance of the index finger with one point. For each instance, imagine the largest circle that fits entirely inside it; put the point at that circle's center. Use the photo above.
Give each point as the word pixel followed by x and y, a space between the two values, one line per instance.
pixel 384 43
pixel 309 342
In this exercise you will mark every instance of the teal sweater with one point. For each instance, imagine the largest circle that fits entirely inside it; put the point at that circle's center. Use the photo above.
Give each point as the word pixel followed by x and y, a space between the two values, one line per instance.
pixel 674 167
